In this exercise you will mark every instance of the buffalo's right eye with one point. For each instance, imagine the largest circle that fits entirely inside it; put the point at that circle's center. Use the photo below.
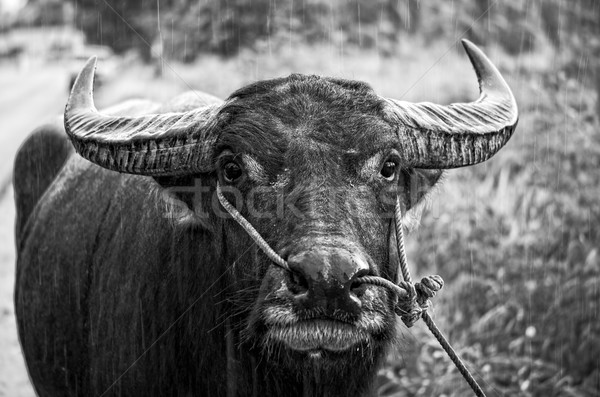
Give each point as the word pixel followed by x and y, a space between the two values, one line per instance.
pixel 231 171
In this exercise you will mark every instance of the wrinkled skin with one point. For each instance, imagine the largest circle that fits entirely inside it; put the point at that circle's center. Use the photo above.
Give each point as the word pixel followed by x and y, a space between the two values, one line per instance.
pixel 135 286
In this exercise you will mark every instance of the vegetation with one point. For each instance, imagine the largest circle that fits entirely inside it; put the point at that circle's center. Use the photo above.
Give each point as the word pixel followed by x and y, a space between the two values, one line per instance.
pixel 183 29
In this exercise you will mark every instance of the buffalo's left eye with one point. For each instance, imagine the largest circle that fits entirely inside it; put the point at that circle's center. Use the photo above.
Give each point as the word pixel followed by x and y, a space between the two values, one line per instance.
pixel 388 171
pixel 231 171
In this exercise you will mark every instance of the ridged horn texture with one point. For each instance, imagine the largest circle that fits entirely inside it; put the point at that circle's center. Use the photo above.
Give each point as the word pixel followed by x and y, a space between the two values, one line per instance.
pixel 460 134
pixel 153 144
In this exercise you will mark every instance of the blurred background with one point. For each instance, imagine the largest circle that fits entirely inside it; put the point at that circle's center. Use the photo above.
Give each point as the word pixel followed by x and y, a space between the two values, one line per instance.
pixel 517 239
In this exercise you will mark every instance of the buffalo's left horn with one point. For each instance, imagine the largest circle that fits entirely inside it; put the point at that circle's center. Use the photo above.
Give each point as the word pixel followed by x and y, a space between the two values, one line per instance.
pixel 460 134
pixel 153 144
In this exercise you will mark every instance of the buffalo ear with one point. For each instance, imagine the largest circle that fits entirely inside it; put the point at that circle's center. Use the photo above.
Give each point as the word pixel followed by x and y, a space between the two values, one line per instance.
pixel 416 185
pixel 187 200
pixel 181 187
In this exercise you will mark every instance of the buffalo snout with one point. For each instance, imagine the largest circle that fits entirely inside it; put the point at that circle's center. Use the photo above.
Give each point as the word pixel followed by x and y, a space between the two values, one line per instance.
pixel 324 280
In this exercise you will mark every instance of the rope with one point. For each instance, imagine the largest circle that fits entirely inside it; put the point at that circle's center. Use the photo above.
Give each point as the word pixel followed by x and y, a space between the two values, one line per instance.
pixel 458 363
pixel 252 232
pixel 413 300
pixel 400 242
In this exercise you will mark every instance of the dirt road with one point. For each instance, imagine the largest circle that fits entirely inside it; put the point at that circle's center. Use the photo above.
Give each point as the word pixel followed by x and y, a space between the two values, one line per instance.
pixel 27 99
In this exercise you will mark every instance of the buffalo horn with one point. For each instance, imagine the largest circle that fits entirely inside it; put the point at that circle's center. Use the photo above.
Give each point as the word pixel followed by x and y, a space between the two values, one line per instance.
pixel 153 144
pixel 460 134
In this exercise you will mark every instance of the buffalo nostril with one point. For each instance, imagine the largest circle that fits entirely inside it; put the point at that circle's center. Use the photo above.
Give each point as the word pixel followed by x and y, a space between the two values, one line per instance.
pixel 358 288
pixel 298 284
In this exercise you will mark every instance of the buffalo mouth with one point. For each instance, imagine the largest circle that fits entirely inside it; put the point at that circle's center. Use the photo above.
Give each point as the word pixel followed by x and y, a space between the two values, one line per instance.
pixel 318 335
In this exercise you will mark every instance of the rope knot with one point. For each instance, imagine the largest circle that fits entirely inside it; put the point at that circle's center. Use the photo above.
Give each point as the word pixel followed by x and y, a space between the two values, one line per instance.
pixel 411 307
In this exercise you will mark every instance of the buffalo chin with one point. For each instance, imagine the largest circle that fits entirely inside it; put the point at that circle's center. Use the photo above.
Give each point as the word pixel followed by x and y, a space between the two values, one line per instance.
pixel 326 356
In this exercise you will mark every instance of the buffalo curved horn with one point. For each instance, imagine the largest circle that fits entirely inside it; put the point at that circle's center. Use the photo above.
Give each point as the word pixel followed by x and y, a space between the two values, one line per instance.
pixel 460 134
pixel 153 144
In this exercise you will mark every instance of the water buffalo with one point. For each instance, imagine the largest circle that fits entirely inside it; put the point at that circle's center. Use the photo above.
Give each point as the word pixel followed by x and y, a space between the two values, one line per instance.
pixel 132 280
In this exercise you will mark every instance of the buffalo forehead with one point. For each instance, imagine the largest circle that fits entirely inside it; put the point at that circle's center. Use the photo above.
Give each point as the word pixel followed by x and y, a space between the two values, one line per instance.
pixel 312 123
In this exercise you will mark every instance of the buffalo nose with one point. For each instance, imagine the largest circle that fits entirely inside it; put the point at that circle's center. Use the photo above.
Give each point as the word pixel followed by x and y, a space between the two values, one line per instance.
pixel 325 279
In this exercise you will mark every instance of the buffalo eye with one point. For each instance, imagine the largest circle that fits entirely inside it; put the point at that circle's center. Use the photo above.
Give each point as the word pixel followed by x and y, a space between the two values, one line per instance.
pixel 388 171
pixel 231 172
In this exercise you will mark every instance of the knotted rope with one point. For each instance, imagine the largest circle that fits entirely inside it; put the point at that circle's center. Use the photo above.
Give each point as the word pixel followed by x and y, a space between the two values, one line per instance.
pixel 413 300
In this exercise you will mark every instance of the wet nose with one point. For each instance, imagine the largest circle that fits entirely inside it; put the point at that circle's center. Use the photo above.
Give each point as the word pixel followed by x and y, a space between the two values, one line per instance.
pixel 325 279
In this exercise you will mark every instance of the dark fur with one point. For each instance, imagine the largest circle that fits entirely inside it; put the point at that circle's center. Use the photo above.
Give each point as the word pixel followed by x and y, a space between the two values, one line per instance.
pixel 42 154
pixel 115 294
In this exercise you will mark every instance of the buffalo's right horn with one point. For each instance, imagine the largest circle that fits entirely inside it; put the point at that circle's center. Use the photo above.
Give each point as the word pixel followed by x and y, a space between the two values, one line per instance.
pixel 153 144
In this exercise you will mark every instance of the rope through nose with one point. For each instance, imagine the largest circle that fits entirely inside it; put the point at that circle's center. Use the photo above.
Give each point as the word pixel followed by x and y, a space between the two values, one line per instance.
pixel 413 299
